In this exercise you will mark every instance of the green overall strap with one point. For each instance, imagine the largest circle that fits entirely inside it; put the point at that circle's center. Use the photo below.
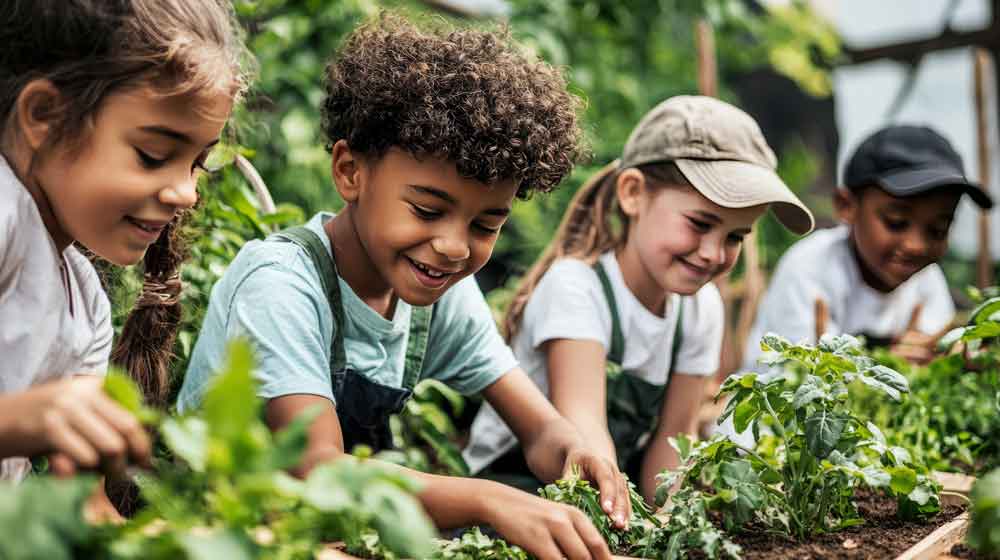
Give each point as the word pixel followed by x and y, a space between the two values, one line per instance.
pixel 323 261
pixel 678 336
pixel 416 345
pixel 616 354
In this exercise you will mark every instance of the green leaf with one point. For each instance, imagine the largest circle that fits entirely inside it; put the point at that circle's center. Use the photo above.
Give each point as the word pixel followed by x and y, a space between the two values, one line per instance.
pixel 213 545
pixel 188 439
pixel 748 494
pixel 745 413
pixel 889 381
pixel 810 390
pixel 904 479
pixel 231 404
pixel 774 342
pixel 823 430
pixel 985 311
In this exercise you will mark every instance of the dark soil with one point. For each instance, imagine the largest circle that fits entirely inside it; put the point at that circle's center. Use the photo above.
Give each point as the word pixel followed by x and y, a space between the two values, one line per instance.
pixel 964 552
pixel 882 537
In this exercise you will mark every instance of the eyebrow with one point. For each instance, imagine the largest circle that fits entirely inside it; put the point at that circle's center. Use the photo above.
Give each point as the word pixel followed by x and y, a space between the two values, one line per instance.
pixel 173 134
pixel 444 196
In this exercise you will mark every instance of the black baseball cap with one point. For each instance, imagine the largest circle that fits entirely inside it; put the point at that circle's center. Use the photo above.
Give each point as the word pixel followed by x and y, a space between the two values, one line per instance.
pixel 910 160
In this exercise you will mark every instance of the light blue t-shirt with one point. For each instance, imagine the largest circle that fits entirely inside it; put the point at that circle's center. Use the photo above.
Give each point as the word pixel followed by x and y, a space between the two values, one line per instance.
pixel 271 294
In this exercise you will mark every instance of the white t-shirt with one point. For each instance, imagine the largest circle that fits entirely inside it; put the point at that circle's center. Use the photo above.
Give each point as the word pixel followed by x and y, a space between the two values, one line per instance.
pixel 40 339
pixel 569 303
pixel 823 266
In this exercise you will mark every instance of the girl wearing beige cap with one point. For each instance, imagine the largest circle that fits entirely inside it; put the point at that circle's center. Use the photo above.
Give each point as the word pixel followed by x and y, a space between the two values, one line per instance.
pixel 618 322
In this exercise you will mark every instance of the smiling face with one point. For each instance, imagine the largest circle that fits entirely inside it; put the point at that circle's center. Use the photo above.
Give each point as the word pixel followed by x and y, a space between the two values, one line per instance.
pixel 895 238
pixel 136 168
pixel 416 226
pixel 678 240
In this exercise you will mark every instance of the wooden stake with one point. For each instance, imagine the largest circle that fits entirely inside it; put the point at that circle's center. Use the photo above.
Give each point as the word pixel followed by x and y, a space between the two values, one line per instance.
pixel 708 79
pixel 984 263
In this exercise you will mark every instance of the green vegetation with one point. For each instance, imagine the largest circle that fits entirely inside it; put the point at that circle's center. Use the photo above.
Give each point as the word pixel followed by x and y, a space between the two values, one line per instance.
pixel 801 478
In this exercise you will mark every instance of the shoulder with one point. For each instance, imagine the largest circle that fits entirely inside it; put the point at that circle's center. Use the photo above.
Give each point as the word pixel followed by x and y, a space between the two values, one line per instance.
pixel 818 259
pixel 89 282
pixel 704 310
pixel 570 274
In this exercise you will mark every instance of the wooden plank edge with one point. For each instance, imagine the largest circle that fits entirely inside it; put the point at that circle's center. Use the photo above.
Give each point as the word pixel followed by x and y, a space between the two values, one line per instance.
pixel 940 541
pixel 956 483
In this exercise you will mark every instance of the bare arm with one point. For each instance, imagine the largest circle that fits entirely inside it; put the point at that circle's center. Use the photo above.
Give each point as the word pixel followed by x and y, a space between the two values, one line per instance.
pixel 678 415
pixel 578 386
pixel 552 445
pixel 549 531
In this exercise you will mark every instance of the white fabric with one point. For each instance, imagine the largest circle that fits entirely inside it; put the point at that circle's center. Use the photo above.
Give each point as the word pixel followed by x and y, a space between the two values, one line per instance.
pixel 569 303
pixel 39 338
pixel 823 266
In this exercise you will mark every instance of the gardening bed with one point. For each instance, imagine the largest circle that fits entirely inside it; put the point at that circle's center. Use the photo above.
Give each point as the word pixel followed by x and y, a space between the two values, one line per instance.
pixel 884 536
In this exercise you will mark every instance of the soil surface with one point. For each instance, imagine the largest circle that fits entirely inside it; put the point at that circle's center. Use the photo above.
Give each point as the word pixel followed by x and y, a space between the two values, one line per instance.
pixel 882 537
pixel 963 551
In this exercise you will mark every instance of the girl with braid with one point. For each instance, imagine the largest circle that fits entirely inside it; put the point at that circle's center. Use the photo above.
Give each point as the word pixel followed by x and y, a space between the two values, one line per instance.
pixel 109 109
pixel 618 322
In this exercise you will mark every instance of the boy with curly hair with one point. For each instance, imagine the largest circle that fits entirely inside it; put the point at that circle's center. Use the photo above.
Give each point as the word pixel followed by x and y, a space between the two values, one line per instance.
pixel 431 135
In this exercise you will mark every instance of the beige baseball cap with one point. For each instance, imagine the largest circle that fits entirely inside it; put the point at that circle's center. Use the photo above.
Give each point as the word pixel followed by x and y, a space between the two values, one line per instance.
pixel 721 151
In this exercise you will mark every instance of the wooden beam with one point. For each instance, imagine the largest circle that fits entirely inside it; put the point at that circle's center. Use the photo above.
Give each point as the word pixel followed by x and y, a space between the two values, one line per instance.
pixel 910 51
pixel 981 72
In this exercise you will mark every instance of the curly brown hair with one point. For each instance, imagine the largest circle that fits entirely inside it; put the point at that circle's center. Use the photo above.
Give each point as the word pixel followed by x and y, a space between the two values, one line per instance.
pixel 469 96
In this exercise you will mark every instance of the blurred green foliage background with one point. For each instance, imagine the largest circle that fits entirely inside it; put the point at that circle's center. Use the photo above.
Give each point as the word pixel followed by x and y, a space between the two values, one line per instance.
pixel 621 57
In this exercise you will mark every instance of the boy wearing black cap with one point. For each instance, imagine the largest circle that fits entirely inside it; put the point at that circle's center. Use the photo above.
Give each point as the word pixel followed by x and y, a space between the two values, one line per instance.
pixel 876 275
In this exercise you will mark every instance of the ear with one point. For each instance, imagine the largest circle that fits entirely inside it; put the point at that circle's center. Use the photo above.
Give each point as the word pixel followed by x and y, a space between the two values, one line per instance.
pixel 630 186
pixel 36 108
pixel 845 205
pixel 348 171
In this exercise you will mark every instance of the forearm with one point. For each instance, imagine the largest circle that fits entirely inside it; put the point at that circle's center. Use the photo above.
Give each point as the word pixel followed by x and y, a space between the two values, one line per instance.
pixel 546 452
pixel 21 420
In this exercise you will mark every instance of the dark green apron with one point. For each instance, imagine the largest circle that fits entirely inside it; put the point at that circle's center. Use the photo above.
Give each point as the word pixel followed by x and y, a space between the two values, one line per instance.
pixel 633 406
pixel 363 406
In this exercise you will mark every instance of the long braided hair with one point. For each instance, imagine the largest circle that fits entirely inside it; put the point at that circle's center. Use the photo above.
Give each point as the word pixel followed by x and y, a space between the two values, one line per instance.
pixel 593 224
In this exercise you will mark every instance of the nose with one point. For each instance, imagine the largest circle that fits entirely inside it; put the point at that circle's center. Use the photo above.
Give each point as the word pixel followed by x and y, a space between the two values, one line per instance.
pixel 453 246
pixel 915 243
pixel 182 193
pixel 712 250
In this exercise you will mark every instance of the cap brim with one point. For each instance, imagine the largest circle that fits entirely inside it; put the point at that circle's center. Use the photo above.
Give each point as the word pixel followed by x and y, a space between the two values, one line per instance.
pixel 737 184
pixel 915 181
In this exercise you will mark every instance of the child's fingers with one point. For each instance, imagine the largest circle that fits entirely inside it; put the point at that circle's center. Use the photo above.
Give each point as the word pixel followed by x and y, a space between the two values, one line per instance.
pixel 64 439
pixel 135 437
pixel 581 539
pixel 90 424
pixel 915 317
pixel 61 465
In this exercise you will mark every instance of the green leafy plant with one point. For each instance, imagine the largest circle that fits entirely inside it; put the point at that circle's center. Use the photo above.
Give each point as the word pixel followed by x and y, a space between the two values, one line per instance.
pixel 683 526
pixel 221 492
pixel 815 451
pixel 984 533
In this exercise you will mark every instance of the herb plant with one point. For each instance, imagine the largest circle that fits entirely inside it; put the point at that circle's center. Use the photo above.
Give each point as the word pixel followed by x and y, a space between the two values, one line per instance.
pixel 815 451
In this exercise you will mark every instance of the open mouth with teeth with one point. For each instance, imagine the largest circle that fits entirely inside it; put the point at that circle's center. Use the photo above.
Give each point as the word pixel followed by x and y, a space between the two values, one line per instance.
pixel 428 271
pixel 143 226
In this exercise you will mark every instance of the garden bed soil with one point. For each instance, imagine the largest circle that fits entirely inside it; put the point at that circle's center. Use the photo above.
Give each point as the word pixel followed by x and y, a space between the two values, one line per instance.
pixel 883 536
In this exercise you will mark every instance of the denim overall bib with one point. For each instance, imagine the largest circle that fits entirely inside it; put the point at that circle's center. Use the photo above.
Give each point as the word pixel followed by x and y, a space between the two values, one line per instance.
pixel 363 406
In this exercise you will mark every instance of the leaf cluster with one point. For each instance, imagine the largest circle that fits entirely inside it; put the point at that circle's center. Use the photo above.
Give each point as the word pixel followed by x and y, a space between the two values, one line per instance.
pixel 813 450
pixel 222 492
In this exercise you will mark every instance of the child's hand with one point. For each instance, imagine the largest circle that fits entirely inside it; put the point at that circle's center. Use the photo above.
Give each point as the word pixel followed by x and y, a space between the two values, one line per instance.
pixel 83 428
pixel 609 481
pixel 546 530
pixel 915 346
